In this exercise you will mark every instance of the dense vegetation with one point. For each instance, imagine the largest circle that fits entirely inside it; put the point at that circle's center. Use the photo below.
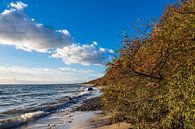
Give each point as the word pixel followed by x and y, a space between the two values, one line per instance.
pixel 152 82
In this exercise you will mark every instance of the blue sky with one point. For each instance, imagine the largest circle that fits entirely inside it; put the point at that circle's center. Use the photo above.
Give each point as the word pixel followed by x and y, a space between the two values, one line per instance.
pixel 70 39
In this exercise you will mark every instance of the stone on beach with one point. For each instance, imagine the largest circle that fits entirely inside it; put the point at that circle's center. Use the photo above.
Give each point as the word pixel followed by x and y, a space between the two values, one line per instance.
pixel 92 104
pixel 90 89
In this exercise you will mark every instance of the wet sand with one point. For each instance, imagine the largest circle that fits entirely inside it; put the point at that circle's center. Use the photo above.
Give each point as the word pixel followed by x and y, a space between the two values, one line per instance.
pixel 86 115
pixel 98 120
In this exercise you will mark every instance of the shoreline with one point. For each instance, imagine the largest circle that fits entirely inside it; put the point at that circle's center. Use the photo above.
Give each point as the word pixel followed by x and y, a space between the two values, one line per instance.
pixel 99 119
pixel 67 118
pixel 86 114
pixel 40 116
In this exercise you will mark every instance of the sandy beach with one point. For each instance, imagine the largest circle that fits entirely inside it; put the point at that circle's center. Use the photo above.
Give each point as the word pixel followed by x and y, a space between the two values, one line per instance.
pixel 89 115
pixel 100 121
pixel 86 115
pixel 96 118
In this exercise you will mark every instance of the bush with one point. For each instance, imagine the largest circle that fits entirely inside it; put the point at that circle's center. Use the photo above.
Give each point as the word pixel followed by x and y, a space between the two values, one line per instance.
pixel 151 83
pixel 180 101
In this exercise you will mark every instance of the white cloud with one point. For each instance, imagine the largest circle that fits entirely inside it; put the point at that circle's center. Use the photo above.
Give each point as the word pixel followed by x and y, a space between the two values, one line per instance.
pixel 17 74
pixel 82 54
pixel 18 29
pixel 18 5
pixel 25 33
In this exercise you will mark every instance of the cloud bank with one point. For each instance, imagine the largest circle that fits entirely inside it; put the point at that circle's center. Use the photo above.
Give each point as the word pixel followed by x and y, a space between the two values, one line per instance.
pixel 19 30
pixel 62 75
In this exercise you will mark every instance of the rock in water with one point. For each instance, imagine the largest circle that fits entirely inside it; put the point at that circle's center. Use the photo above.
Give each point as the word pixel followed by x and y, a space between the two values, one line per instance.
pixel 90 89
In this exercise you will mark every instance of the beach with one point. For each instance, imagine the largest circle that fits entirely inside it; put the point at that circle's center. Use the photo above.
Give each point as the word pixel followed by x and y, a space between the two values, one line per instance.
pixel 75 106
pixel 87 114
pixel 43 106
pixel 97 64
pixel 74 117
pixel 98 118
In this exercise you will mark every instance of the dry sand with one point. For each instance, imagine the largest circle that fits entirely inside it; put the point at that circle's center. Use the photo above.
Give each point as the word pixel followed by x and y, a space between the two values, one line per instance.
pixel 100 121
pixel 122 125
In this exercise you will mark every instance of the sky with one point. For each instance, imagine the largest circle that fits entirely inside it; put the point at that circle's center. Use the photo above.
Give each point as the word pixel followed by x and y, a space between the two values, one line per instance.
pixel 65 41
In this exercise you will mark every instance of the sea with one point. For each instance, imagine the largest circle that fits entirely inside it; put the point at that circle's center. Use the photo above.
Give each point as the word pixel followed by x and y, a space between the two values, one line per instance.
pixel 20 104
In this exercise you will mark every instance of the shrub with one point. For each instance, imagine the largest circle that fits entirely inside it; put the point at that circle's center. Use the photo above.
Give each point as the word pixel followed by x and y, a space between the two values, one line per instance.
pixel 151 83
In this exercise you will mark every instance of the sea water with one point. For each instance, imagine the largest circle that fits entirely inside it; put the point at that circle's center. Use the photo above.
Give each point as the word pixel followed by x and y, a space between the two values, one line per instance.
pixel 22 103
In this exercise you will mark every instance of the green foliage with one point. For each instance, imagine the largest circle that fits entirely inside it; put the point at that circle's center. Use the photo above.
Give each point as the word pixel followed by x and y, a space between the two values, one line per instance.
pixel 180 101
pixel 151 83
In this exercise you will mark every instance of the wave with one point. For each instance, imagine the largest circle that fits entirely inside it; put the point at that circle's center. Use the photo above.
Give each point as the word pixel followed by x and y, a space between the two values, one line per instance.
pixel 34 113
pixel 20 120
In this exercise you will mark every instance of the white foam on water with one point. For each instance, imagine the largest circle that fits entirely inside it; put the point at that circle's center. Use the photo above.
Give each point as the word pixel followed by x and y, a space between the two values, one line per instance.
pixel 32 115
pixel 83 93
pixel 20 120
